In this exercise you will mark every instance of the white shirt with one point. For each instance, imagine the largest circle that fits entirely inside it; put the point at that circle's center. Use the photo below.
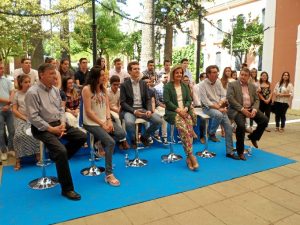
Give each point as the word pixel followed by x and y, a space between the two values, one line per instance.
pixel 34 76
pixel 122 74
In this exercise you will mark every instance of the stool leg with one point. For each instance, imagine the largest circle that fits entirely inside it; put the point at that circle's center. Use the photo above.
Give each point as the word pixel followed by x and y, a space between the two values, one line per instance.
pixel 43 182
pixel 93 170
pixel 205 153
pixel 171 157
pixel 137 162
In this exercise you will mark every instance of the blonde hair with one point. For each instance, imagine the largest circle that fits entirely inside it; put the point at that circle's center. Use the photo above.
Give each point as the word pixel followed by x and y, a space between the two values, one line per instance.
pixel 176 67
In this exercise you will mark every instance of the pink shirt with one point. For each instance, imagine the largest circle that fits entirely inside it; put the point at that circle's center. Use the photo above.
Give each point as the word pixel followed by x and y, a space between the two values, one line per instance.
pixel 246 96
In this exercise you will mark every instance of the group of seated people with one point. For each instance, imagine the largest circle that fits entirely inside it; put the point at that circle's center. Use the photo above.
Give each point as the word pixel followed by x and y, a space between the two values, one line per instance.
pixel 53 113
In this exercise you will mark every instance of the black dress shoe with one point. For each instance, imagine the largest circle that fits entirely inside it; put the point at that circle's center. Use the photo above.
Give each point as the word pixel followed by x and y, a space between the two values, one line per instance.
pixel 254 142
pixel 232 156
pixel 145 141
pixel 242 157
pixel 72 195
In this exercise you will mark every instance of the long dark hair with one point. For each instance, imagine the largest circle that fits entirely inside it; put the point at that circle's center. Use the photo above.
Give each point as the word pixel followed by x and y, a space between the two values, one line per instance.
pixel 93 79
pixel 281 79
pixel 224 79
pixel 64 87
pixel 267 81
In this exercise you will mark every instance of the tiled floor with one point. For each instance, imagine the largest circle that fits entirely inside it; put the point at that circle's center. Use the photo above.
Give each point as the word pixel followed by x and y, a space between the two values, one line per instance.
pixel 269 197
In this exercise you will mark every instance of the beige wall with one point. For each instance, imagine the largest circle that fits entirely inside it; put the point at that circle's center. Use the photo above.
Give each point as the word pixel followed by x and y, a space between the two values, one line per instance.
pixel 286 26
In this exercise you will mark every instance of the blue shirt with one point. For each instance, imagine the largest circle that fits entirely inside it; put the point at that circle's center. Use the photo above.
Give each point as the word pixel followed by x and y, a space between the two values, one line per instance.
pixel 5 89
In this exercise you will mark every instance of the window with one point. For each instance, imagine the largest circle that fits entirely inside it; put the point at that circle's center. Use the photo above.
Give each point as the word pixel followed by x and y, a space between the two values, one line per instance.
pixel 188 37
pixel 219 32
pixel 263 13
pixel 218 59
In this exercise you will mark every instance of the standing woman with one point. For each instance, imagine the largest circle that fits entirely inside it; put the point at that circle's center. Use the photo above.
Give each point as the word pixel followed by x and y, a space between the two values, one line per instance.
pixel 253 80
pixel 283 92
pixel 178 111
pixel 24 145
pixel 265 96
pixel 97 119
pixel 72 102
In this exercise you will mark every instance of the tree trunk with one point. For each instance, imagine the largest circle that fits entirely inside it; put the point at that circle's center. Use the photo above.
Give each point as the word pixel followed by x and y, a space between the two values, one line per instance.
pixel 65 37
pixel 148 34
pixel 168 42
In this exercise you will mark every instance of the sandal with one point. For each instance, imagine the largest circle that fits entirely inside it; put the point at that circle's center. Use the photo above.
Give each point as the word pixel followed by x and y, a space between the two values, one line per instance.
pixel 276 129
pixel 189 163
pixel 194 162
pixel 281 130
pixel 17 165
pixel 111 180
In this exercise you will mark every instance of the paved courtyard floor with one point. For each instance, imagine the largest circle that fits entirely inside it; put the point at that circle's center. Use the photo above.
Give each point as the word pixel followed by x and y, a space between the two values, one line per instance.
pixel 269 197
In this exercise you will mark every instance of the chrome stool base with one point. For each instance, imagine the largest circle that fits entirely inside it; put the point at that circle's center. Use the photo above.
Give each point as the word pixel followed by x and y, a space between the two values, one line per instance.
pixel 206 154
pixel 137 162
pixel 43 183
pixel 170 158
pixel 92 171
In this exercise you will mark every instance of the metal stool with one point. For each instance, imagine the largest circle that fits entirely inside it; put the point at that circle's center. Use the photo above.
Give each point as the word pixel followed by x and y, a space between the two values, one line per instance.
pixel 171 157
pixel 93 170
pixel 137 162
pixel 43 182
pixel 205 153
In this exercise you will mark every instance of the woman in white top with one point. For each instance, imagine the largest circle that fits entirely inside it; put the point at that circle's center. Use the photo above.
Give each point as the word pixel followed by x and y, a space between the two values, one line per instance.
pixel 97 119
pixel 283 92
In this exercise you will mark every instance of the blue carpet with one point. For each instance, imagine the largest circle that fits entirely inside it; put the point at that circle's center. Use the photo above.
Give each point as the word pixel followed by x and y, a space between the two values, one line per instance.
pixel 21 205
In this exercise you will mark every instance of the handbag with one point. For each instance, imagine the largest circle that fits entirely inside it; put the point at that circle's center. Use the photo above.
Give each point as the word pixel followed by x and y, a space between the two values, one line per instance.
pixel 273 107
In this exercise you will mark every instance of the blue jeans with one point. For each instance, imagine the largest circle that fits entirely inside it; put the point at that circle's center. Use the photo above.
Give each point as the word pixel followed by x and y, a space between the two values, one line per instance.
pixel 219 118
pixel 107 141
pixel 6 118
pixel 155 123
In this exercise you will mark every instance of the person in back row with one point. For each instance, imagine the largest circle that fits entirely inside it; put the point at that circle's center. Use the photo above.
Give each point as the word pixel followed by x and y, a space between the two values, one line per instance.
pixel 136 103
pixel 26 69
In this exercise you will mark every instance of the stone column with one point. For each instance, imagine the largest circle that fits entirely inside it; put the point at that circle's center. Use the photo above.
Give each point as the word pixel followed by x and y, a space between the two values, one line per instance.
pixel 296 99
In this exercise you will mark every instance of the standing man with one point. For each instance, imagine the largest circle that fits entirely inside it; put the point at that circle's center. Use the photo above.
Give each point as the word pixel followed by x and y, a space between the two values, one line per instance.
pixel 82 72
pixel 166 70
pixel 48 124
pixel 26 69
pixel 185 65
pixel 6 115
pixel 117 70
pixel 150 71
pixel 244 103
pixel 136 103
pixel 214 101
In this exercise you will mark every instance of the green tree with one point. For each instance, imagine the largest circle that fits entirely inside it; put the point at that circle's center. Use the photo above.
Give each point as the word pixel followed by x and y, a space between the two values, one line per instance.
pixel 247 38
pixel 170 13
pixel 132 45
pixel 109 35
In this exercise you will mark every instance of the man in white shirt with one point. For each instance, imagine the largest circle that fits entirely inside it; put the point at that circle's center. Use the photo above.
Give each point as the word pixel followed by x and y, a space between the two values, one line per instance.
pixel 26 69
pixel 117 70
pixel 166 70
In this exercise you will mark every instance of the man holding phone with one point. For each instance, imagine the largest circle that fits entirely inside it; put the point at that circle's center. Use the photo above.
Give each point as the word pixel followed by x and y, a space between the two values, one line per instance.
pixel 136 103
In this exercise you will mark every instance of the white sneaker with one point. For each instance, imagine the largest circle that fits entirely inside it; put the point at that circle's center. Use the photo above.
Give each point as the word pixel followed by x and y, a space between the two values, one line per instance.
pixel 4 156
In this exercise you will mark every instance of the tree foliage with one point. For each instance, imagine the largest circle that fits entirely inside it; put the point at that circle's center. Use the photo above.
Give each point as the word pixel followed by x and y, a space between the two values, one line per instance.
pixel 169 13
pixel 109 35
pixel 247 37
pixel 185 52
pixel 132 45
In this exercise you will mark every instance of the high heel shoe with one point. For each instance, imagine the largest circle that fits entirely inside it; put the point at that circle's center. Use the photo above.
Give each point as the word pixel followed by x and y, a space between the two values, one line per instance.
pixel 111 180
pixel 17 165
pixel 189 163
pixel 194 161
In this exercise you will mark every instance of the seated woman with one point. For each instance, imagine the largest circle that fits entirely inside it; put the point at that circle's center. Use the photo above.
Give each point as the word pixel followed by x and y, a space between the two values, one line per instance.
pixel 97 119
pixel 24 145
pixel 72 102
pixel 178 111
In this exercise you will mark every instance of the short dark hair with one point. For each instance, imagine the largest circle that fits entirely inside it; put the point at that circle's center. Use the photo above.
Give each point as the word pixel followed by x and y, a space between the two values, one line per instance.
pixel 184 60
pixel 145 77
pixel 24 59
pixel 48 59
pixel 166 60
pixel 129 67
pixel 44 67
pixel 208 69
pixel 150 61
pixel 202 75
pixel 114 78
pixel 117 60
pixel 246 70
pixel 81 59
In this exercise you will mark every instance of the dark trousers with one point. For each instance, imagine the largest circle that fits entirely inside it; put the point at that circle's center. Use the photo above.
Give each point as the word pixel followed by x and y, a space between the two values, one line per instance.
pixel 280 112
pixel 60 153
pixel 240 120
pixel 265 108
